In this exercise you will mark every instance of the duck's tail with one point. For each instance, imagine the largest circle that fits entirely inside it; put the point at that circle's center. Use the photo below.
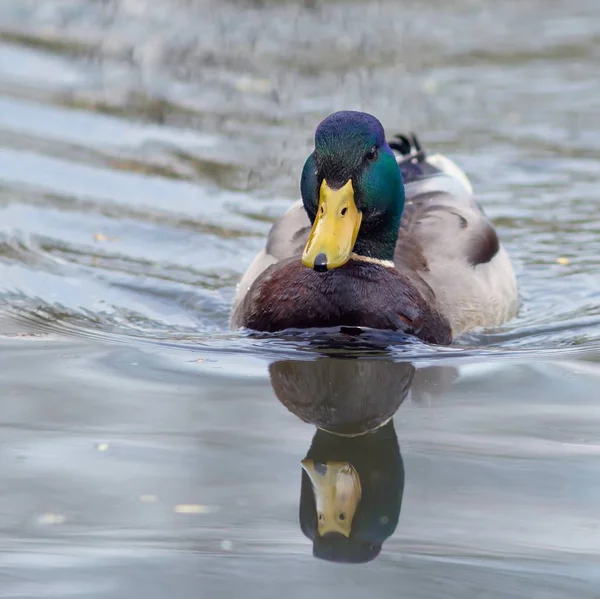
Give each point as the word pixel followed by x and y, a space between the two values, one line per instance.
pixel 416 164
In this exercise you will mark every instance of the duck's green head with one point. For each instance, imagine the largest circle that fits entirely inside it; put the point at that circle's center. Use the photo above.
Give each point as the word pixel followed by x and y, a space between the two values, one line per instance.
pixel 352 191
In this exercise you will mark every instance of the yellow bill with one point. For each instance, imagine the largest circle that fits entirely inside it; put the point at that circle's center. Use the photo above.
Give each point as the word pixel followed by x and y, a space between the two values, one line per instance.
pixel 335 229
pixel 337 491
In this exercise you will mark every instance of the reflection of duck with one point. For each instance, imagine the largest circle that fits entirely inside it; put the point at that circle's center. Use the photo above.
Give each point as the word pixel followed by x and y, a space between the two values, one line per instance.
pixel 351 493
pixel 385 237
pixel 353 476
pixel 339 395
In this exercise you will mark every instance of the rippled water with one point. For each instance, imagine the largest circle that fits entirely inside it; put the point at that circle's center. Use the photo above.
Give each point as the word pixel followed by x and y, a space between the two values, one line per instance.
pixel 145 148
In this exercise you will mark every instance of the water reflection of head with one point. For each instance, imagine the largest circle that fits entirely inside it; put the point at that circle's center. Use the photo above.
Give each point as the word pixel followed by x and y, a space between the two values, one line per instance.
pixel 353 475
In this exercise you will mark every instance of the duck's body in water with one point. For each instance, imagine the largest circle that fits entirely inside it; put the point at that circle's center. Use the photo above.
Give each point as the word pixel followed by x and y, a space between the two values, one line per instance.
pixel 385 237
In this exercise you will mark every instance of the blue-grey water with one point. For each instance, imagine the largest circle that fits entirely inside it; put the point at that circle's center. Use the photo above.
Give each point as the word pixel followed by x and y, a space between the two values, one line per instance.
pixel 147 451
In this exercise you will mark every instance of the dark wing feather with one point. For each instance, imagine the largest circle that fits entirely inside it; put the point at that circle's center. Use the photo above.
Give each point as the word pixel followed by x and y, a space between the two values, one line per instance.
pixel 484 244
pixel 443 223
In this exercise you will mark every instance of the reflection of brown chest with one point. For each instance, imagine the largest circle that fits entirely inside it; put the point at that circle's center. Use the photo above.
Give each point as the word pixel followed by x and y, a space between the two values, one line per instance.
pixel 360 294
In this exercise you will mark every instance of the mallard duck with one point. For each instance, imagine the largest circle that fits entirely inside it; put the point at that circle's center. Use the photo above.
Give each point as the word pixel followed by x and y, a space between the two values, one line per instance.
pixel 385 237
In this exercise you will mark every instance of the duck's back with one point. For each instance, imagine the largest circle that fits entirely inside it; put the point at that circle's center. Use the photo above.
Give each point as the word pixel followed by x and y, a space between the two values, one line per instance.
pixel 446 238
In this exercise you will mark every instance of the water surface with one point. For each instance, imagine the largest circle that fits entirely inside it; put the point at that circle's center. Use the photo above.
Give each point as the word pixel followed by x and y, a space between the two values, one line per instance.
pixel 145 149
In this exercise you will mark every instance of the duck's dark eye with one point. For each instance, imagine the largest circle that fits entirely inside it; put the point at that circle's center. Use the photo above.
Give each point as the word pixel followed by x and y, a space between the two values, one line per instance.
pixel 371 154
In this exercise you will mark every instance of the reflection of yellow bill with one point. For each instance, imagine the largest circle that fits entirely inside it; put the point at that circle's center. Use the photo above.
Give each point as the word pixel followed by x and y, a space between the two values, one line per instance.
pixel 335 229
pixel 337 490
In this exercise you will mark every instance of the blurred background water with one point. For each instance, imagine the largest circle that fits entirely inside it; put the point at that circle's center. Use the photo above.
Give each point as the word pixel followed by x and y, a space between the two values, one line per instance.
pixel 145 148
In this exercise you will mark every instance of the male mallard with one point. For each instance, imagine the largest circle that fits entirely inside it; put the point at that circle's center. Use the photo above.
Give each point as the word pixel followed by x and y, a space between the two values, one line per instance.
pixel 385 237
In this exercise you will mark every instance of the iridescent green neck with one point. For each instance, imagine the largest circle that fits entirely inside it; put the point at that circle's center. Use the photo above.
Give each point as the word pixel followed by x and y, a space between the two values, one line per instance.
pixel 380 242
